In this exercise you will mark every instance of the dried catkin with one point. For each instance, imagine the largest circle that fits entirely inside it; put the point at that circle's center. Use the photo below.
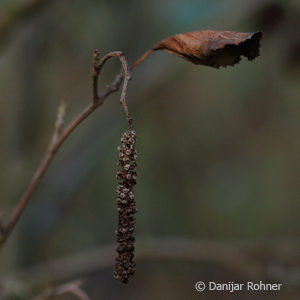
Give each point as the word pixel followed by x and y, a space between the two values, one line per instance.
pixel 126 176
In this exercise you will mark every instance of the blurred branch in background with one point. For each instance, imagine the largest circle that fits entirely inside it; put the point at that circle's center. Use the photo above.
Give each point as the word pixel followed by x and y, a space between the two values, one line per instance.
pixel 254 260
pixel 17 14
pixel 67 288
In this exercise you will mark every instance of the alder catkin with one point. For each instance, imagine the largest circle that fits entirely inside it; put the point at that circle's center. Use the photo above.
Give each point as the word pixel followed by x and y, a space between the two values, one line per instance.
pixel 126 176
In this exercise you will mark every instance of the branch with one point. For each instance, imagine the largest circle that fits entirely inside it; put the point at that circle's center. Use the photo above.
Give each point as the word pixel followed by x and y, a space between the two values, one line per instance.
pixel 245 258
pixel 58 138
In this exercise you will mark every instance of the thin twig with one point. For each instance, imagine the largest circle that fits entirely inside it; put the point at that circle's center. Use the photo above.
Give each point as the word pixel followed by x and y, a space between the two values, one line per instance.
pixel 96 71
pixel 97 67
pixel 59 121
pixel 98 64
pixel 124 90
pixel 58 139
pixel 146 54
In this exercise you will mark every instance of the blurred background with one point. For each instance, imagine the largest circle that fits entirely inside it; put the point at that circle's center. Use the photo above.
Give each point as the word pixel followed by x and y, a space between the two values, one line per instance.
pixel 219 168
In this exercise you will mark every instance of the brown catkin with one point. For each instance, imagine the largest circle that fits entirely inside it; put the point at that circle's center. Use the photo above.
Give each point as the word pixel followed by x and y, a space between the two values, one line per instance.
pixel 126 176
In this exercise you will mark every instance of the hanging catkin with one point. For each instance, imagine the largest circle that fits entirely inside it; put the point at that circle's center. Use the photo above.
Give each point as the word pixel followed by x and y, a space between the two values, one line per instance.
pixel 126 176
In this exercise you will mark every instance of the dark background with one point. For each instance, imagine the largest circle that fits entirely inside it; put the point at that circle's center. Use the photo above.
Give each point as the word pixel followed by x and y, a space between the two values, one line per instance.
pixel 218 186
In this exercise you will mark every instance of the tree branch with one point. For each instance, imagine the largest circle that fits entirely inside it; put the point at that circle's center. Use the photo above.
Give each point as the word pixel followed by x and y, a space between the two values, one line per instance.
pixel 58 139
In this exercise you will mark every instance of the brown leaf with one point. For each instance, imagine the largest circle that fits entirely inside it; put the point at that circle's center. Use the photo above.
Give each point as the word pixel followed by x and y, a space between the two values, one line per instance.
pixel 212 48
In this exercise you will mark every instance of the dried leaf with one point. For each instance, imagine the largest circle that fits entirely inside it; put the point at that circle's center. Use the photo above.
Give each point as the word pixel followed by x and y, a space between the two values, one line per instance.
pixel 212 48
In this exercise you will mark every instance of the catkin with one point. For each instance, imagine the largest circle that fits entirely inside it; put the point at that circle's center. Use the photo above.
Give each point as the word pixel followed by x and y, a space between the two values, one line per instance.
pixel 126 176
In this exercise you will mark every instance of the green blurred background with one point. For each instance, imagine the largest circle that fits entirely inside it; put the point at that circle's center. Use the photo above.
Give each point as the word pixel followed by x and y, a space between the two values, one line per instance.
pixel 218 150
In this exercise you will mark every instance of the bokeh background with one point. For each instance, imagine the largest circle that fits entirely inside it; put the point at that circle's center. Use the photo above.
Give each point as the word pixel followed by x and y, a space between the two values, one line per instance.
pixel 219 168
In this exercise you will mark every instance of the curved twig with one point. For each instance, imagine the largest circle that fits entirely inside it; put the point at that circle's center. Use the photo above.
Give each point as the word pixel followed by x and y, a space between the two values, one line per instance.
pixel 98 64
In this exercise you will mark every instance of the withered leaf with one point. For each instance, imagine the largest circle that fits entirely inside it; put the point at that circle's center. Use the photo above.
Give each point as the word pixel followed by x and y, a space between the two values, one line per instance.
pixel 212 48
